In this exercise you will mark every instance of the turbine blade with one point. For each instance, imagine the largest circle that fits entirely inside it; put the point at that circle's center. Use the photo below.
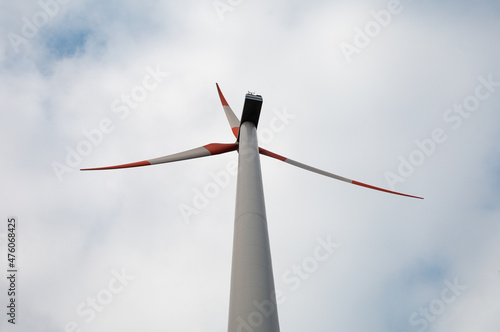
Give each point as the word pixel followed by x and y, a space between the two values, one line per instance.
pixel 331 175
pixel 202 151
pixel 234 122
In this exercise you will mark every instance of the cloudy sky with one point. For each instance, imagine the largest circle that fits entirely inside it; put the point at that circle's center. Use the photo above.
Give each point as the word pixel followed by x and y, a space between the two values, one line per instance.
pixel 403 95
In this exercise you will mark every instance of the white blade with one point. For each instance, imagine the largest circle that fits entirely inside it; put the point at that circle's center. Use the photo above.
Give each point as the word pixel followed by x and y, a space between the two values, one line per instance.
pixel 331 175
pixel 234 122
pixel 203 151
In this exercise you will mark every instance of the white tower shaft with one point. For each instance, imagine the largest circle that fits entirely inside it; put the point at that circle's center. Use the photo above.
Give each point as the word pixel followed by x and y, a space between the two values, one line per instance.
pixel 252 304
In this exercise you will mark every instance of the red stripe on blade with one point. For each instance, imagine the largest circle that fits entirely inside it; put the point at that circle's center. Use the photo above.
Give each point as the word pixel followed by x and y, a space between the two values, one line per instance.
pixel 271 154
pixel 218 148
pixel 222 99
pixel 380 189
pixel 235 130
pixel 137 164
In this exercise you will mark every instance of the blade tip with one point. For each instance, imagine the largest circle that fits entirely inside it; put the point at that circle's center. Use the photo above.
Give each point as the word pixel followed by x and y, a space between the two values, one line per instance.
pixel 221 96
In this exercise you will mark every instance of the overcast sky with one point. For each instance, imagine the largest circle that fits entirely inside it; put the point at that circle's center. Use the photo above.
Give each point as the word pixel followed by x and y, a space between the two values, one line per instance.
pixel 402 95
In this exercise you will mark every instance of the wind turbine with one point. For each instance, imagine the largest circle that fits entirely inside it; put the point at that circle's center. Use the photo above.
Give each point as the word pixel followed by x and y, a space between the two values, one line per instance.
pixel 252 303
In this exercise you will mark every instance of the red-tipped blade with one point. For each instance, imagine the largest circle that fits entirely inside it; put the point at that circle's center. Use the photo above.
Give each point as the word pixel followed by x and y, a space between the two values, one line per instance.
pixel 382 189
pixel 203 151
pixel 136 164
pixel 331 175
pixel 233 120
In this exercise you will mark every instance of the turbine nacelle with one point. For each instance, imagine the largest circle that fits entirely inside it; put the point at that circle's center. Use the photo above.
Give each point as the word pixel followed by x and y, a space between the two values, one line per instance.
pixel 251 109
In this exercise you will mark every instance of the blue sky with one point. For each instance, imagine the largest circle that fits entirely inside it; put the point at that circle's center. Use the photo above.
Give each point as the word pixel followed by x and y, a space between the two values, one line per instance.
pixel 411 101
